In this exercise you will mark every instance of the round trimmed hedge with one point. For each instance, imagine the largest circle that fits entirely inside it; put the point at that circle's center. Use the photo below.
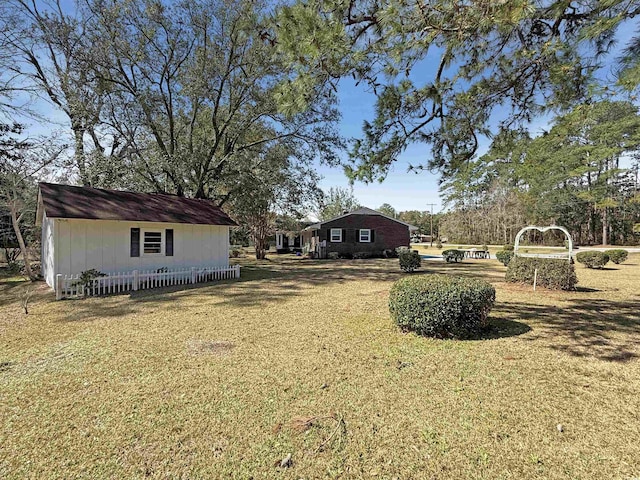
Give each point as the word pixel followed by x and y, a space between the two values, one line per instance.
pixel 504 256
pixel 410 260
pixel 553 273
pixel 593 259
pixel 617 255
pixel 441 305
pixel 453 255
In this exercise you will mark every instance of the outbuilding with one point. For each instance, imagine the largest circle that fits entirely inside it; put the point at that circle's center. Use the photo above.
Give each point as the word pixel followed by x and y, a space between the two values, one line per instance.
pixel 118 231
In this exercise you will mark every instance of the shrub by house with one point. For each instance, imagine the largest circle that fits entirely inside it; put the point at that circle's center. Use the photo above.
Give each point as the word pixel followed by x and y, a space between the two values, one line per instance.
pixel 409 260
pixel 441 306
pixel 555 274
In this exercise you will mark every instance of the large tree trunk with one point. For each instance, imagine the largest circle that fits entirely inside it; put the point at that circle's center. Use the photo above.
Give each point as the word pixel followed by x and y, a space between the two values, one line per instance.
pixel 79 156
pixel 260 252
pixel 590 227
pixel 261 247
pixel 15 222
pixel 605 227
pixel 260 238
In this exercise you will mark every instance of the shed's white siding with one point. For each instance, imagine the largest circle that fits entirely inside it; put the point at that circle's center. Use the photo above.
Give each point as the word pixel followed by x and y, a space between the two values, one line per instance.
pixel 81 245
pixel 47 255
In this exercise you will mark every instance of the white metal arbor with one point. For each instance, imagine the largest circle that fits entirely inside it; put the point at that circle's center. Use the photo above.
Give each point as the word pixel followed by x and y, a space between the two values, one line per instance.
pixel 566 255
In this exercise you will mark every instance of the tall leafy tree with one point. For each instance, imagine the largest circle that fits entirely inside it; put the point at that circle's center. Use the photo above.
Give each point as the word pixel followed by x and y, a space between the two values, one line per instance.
pixel 525 55
pixel 576 175
pixel 420 219
pixel 336 202
pixel 277 185
pixel 203 81
pixel 388 210
pixel 22 163
pixel 597 136
pixel 629 66
pixel 53 58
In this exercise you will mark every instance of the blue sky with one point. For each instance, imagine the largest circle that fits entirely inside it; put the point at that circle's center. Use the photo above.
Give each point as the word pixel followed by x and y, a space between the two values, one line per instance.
pixel 401 189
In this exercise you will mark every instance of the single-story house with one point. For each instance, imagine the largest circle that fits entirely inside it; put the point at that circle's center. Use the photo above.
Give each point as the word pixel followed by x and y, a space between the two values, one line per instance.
pixel 288 237
pixel 288 242
pixel 362 231
pixel 117 231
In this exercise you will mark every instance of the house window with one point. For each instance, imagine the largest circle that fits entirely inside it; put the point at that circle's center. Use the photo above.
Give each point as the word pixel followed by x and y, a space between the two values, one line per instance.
pixel 365 235
pixel 336 234
pixel 152 243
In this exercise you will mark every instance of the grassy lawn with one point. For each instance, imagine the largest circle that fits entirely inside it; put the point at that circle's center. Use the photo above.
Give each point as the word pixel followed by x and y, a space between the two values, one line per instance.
pixel 300 357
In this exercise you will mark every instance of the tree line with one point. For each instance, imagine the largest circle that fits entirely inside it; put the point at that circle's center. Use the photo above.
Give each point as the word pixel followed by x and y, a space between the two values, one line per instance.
pixel 581 174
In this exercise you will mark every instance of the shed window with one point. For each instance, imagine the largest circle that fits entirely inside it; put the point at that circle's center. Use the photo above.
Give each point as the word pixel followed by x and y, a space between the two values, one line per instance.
pixel 365 235
pixel 152 243
pixel 168 242
pixel 336 234
pixel 135 242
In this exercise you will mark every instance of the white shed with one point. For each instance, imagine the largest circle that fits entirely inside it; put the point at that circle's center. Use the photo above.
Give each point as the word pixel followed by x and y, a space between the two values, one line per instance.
pixel 116 231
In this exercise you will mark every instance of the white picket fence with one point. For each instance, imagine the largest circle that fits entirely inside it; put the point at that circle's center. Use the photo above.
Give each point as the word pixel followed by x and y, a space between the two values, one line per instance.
pixel 70 286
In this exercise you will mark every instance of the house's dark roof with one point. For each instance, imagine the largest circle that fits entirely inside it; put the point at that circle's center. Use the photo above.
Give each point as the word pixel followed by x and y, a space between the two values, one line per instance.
pixel 66 201
pixel 360 211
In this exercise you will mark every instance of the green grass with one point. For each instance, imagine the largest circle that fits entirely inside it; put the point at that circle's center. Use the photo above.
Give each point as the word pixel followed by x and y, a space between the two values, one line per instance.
pixel 300 357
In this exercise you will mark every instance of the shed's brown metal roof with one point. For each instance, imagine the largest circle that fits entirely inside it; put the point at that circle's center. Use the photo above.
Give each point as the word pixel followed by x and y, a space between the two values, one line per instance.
pixel 66 201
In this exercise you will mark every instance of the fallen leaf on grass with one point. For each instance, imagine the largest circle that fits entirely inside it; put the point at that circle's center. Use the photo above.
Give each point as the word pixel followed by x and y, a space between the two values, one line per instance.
pixel 302 424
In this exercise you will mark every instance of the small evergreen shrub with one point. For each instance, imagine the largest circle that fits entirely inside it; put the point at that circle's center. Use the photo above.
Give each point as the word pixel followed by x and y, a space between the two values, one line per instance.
pixel 86 278
pixel 409 260
pixel 485 247
pixel 333 255
pixel 504 256
pixel 553 273
pixel 441 305
pixel 453 255
pixel 617 255
pixel 593 259
pixel 439 245
pixel 362 255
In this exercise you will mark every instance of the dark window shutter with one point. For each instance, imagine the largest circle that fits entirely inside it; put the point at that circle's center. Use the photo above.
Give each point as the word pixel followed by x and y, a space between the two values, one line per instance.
pixel 372 236
pixel 344 234
pixel 135 242
pixel 358 235
pixel 328 235
pixel 168 242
